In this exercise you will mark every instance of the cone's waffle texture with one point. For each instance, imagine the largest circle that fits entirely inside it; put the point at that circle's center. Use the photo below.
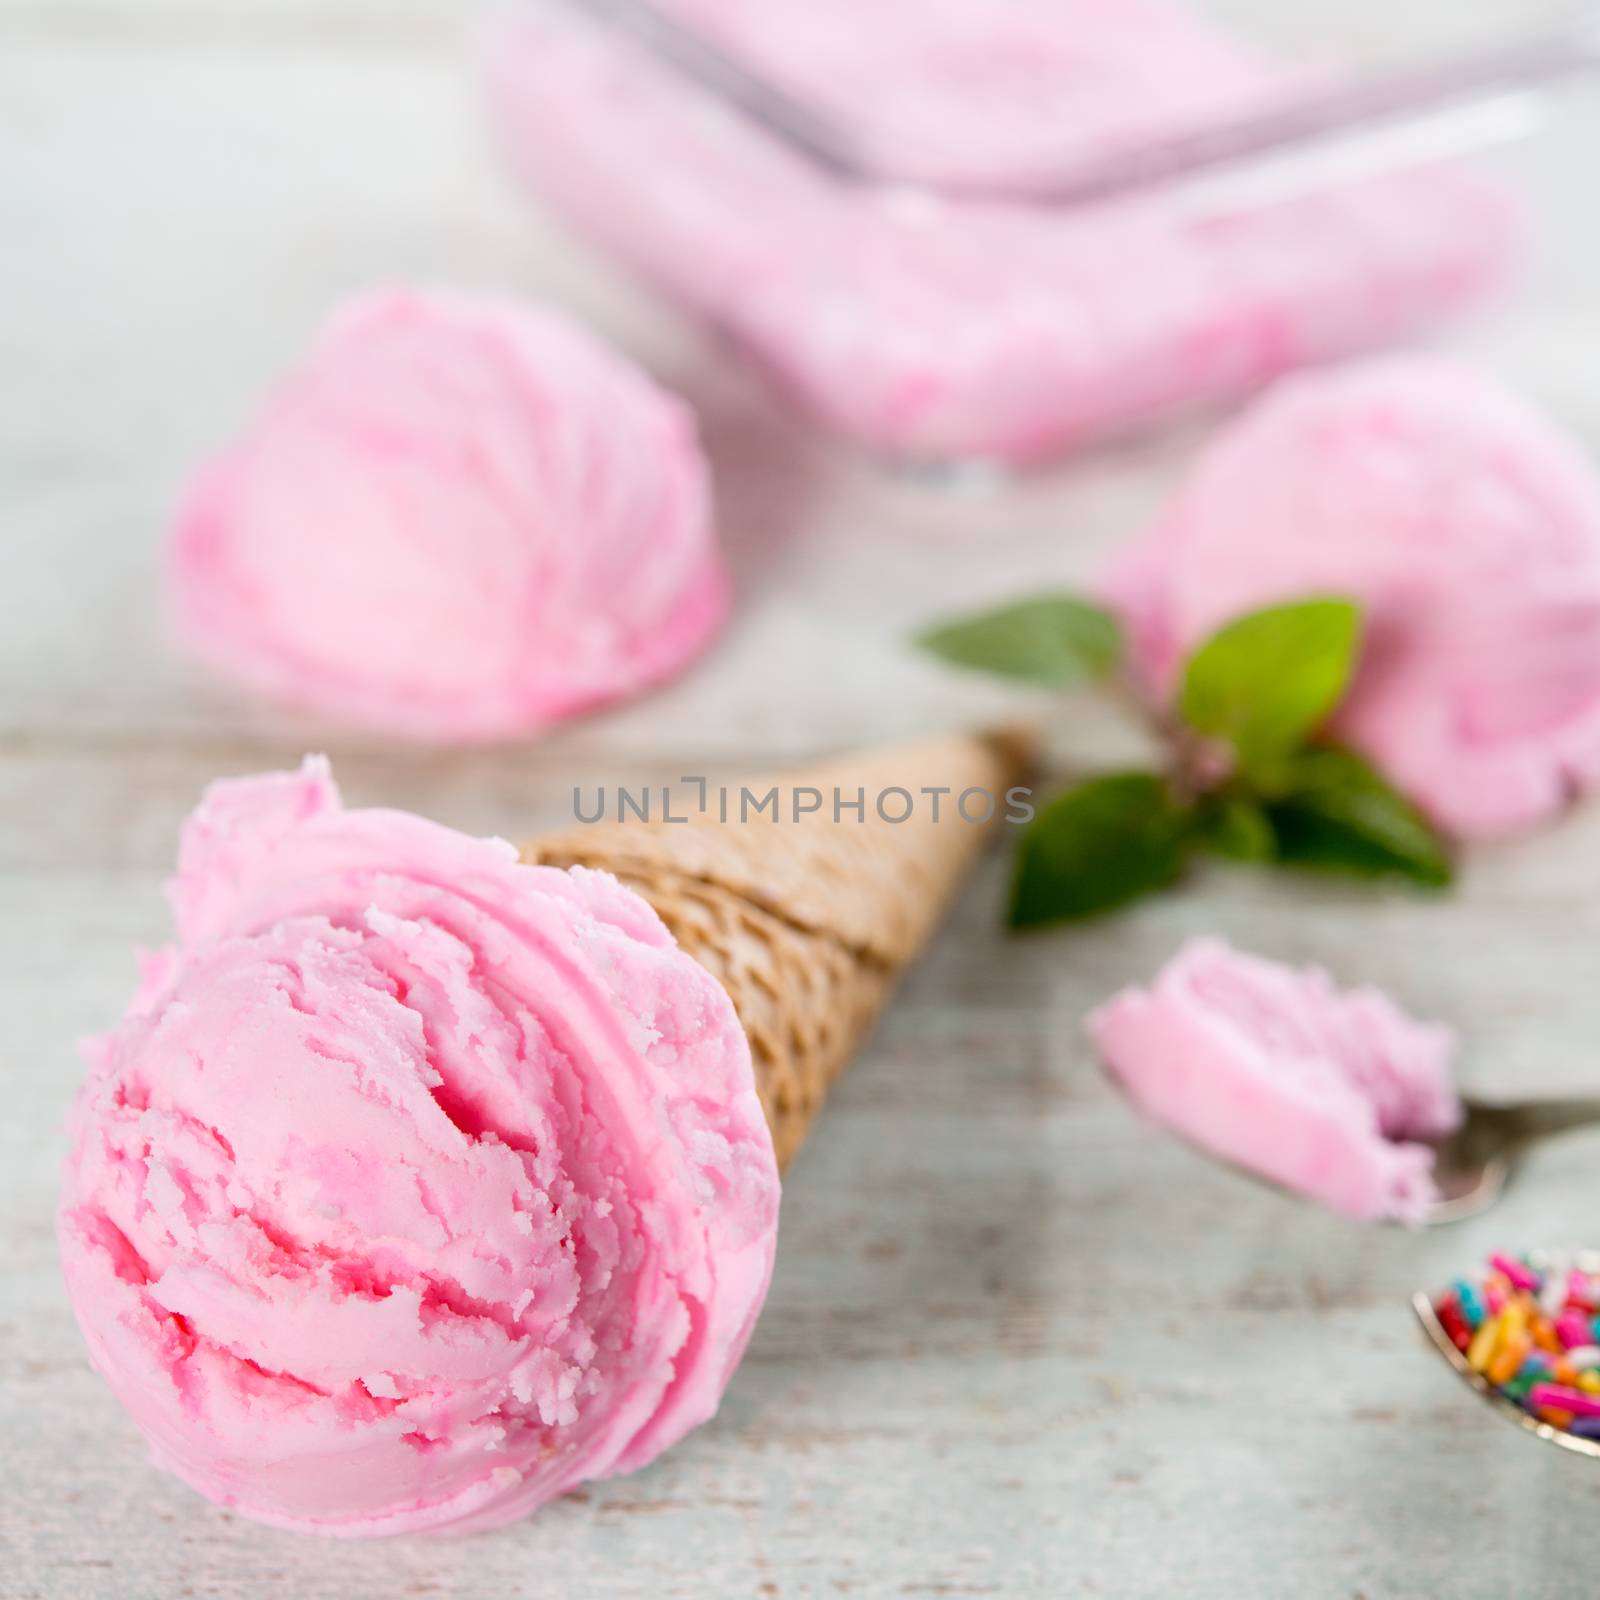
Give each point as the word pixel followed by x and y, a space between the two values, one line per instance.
pixel 807 920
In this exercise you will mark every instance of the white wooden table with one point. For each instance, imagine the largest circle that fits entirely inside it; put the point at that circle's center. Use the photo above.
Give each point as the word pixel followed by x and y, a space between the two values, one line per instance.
pixel 1018 1344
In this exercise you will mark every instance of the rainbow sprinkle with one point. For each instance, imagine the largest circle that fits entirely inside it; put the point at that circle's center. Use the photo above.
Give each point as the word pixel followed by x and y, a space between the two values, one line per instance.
pixel 1531 1331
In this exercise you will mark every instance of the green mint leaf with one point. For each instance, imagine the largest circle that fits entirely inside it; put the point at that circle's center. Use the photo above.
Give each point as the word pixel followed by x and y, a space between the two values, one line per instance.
pixel 1266 681
pixel 1055 639
pixel 1098 846
pixel 1235 826
pixel 1336 813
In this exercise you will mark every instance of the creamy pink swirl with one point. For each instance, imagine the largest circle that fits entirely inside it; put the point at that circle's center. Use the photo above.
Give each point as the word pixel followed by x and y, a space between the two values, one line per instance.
pixel 417 1185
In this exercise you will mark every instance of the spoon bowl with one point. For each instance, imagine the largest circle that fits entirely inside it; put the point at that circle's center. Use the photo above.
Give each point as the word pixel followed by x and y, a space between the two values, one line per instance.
pixel 1472 1166
pixel 1544 1261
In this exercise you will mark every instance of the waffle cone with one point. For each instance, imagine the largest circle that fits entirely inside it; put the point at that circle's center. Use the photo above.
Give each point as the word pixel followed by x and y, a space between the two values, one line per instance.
pixel 808 922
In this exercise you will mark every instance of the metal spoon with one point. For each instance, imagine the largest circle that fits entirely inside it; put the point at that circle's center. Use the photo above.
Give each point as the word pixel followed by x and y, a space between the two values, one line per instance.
pixel 1472 1165
pixel 1544 1261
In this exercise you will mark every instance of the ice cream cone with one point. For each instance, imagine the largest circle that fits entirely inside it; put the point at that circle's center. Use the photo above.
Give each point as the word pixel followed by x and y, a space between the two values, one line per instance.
pixel 807 913
pixel 418 1186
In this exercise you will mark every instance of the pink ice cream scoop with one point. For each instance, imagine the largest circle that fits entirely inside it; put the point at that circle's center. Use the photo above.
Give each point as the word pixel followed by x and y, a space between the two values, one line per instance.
pixel 1469 530
pixel 1274 1069
pixel 460 519
pixel 417 1185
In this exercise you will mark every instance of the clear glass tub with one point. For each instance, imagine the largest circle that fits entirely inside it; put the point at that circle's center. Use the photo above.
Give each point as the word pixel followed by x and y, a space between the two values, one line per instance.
pixel 1000 230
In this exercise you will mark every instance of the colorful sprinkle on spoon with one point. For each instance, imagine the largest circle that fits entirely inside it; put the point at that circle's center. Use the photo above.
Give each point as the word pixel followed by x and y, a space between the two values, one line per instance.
pixel 1524 1334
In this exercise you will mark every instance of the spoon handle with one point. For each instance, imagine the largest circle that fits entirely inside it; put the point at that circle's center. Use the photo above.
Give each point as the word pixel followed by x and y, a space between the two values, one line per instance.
pixel 1540 1119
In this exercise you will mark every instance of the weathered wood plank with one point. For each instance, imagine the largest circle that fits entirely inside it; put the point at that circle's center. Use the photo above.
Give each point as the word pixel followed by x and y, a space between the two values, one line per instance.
pixel 1018 1343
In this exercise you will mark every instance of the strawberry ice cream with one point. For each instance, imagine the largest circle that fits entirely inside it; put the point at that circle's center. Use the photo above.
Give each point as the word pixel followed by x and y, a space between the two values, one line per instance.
pixel 937 328
pixel 460 519
pixel 1274 1069
pixel 418 1185
pixel 1469 530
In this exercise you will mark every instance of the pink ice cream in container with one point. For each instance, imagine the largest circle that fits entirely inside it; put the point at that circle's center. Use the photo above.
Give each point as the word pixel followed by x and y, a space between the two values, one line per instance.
pixel 993 231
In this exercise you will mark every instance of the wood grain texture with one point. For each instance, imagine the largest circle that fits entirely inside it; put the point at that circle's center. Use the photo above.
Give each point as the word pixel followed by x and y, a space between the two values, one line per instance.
pixel 1018 1344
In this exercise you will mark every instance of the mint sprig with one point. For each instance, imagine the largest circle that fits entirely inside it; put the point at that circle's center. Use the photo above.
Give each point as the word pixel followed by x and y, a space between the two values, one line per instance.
pixel 1055 639
pixel 1267 681
pixel 1097 847
pixel 1235 826
pixel 1249 775
pixel 1334 812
